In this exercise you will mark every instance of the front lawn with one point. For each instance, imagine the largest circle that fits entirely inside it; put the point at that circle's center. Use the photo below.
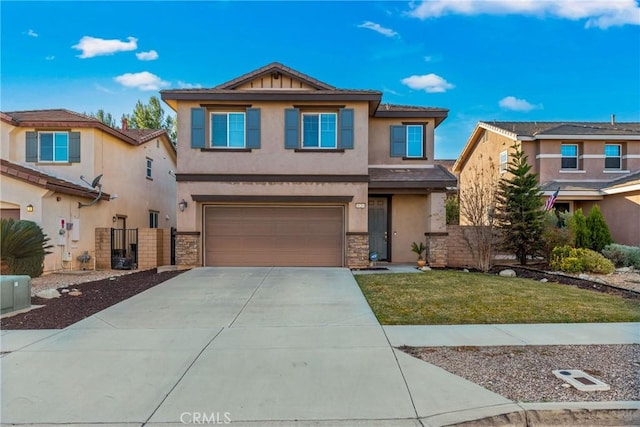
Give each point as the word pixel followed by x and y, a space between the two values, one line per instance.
pixel 453 297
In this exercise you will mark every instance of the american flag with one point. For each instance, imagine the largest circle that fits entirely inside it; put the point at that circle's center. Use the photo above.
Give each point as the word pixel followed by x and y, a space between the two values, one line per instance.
pixel 551 200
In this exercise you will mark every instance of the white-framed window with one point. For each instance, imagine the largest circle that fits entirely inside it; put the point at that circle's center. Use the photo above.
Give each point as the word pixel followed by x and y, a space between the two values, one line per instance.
pixel 53 146
pixel 504 161
pixel 415 141
pixel 569 156
pixel 612 156
pixel 319 130
pixel 153 219
pixel 149 168
pixel 228 130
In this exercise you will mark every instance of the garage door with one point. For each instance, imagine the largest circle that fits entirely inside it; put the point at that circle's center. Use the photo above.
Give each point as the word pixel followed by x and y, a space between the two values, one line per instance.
pixel 293 236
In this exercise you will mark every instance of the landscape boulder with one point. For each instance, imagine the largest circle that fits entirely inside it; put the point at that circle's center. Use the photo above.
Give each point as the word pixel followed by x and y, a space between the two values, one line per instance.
pixel 508 273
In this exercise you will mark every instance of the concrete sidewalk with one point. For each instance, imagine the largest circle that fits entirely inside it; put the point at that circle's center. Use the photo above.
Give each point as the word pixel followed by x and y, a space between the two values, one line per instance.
pixel 257 346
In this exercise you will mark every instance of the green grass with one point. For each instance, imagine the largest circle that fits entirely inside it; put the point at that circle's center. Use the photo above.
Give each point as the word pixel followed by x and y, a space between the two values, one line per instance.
pixel 456 298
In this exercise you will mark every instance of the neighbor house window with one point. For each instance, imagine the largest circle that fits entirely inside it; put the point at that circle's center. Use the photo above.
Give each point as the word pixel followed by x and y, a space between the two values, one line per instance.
pixel 53 146
pixel 149 167
pixel 612 156
pixel 415 145
pixel 228 130
pixel 504 161
pixel 569 153
pixel 153 219
pixel 319 130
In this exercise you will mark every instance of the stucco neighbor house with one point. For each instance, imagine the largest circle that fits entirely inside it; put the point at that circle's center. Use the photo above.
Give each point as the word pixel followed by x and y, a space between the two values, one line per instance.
pixel 46 152
pixel 276 168
pixel 589 162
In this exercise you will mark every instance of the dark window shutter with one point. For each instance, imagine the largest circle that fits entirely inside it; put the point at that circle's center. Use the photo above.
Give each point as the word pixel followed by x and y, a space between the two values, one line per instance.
pixel 346 128
pixel 31 154
pixel 253 128
pixel 74 147
pixel 197 128
pixel 291 128
pixel 398 141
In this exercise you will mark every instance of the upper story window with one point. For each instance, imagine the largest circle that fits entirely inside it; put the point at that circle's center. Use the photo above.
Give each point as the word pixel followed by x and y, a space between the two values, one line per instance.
pixel 504 161
pixel 569 153
pixel 53 146
pixel 149 168
pixel 612 156
pixel 227 130
pixel 415 146
pixel 319 130
pixel 153 219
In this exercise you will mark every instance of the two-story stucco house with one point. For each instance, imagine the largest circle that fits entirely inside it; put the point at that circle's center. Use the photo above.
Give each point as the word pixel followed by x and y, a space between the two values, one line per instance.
pixel 46 152
pixel 589 162
pixel 276 168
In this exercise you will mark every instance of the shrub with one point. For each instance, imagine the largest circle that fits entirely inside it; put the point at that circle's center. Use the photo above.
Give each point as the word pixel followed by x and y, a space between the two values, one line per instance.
pixel 23 246
pixel 599 235
pixel 578 260
pixel 554 235
pixel 622 255
pixel 578 225
pixel 452 209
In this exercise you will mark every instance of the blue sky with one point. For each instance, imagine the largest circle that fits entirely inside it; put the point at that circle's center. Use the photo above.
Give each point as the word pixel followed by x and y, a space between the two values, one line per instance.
pixel 526 60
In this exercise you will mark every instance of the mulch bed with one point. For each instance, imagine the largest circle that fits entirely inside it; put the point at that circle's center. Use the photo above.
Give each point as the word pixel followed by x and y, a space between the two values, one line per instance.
pixel 535 274
pixel 66 310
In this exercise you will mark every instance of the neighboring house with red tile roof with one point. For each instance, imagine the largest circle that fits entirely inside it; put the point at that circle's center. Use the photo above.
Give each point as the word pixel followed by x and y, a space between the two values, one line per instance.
pixel 48 161
pixel 279 168
pixel 590 162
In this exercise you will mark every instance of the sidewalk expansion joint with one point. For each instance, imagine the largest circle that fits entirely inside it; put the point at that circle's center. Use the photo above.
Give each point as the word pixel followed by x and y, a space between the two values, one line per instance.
pixel 250 297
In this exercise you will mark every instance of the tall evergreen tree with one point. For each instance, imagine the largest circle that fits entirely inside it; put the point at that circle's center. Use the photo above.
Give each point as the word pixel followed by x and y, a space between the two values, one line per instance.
pixel 104 117
pixel 520 213
pixel 578 225
pixel 599 231
pixel 152 116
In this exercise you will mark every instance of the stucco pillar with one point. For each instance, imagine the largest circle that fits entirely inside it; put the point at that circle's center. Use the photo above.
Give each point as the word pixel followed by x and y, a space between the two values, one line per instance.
pixel 103 248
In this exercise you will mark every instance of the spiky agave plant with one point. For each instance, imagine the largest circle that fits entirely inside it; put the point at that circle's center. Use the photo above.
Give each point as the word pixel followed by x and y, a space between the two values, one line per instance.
pixel 23 246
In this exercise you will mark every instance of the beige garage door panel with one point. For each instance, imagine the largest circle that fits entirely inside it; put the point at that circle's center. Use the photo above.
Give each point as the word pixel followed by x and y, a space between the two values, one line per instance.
pixel 274 236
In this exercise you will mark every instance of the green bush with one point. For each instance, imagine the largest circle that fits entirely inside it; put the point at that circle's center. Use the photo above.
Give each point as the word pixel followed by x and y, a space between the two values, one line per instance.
pixel 622 255
pixel 578 225
pixel 599 235
pixel 23 246
pixel 452 209
pixel 579 260
pixel 554 234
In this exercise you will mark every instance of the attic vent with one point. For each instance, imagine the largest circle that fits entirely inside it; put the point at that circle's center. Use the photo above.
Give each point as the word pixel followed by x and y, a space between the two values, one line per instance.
pixel 275 75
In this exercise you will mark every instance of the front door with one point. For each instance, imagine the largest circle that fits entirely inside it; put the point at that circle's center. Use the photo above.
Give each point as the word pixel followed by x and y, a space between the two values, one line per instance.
pixel 378 239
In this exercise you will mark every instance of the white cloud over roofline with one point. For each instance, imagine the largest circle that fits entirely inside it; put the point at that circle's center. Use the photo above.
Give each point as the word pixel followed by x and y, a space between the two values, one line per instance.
pixel 388 32
pixel 597 13
pixel 431 83
pixel 514 104
pixel 143 81
pixel 92 46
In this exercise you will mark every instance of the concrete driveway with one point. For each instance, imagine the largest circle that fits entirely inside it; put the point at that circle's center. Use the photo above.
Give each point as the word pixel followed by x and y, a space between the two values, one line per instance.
pixel 267 346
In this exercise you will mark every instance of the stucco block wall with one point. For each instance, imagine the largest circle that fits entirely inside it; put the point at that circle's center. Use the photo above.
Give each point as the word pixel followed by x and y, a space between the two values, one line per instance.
pixel 103 248
pixel 458 252
pixel 150 248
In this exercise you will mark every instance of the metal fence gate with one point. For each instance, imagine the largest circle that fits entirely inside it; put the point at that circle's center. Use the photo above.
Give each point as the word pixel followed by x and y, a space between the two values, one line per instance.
pixel 124 248
pixel 173 245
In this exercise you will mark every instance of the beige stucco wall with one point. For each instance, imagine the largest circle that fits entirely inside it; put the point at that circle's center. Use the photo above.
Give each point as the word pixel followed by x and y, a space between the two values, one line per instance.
pixel 622 213
pixel 380 140
pixel 272 157
pixel 123 167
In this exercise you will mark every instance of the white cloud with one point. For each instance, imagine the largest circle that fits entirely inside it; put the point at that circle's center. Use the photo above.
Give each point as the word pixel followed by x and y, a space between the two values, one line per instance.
pixel 378 29
pixel 598 13
pixel 147 56
pixel 103 89
pixel 514 104
pixel 32 33
pixel 92 46
pixel 431 83
pixel 50 58
pixel 143 81
pixel 185 85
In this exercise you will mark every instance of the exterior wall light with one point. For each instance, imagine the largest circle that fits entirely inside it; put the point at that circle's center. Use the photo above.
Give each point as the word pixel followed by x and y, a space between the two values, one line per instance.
pixel 29 208
pixel 182 205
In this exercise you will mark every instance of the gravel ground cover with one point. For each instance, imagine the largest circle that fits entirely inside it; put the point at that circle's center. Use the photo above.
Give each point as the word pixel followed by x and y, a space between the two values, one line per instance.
pixel 524 374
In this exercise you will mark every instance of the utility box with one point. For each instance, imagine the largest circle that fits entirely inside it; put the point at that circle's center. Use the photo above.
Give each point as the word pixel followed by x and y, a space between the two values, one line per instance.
pixel 15 293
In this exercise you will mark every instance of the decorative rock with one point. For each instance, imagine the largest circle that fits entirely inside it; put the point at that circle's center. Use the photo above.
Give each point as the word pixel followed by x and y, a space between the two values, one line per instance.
pixel 75 293
pixel 508 273
pixel 583 276
pixel 624 269
pixel 65 291
pixel 544 280
pixel 465 270
pixel 426 268
pixel 48 294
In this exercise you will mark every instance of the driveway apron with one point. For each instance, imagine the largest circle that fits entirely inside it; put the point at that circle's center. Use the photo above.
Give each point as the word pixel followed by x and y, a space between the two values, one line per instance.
pixel 248 345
